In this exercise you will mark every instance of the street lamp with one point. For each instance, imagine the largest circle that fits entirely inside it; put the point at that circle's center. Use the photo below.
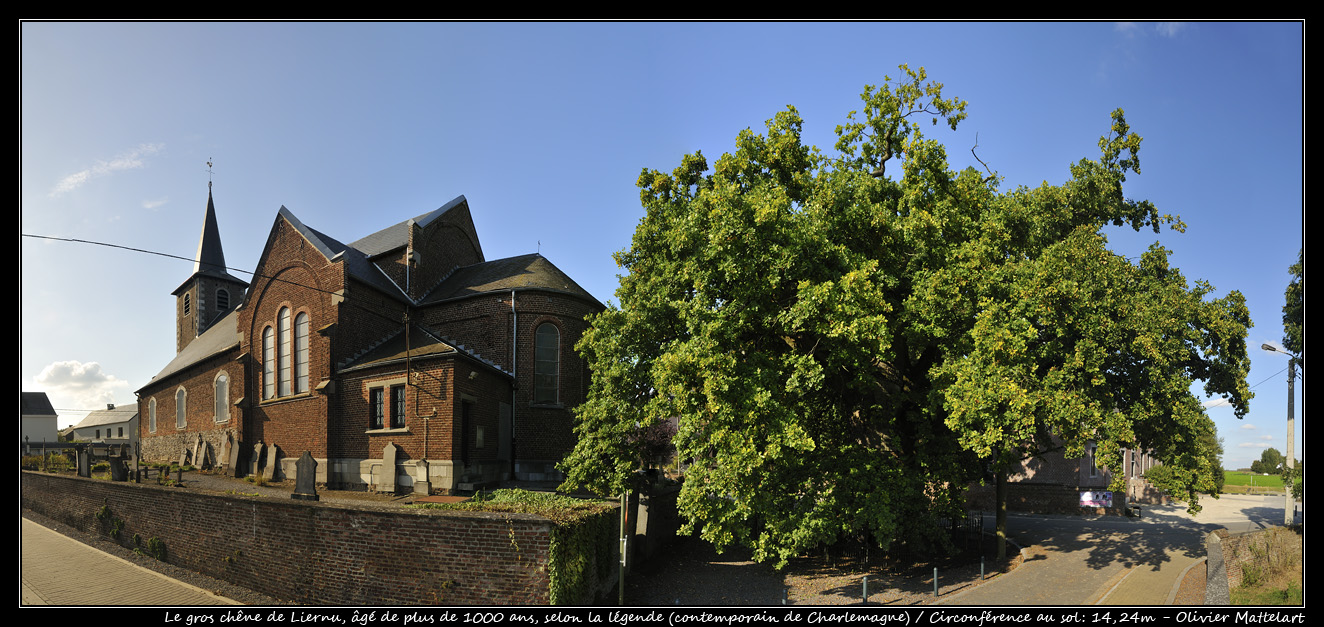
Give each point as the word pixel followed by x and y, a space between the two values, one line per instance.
pixel 1289 507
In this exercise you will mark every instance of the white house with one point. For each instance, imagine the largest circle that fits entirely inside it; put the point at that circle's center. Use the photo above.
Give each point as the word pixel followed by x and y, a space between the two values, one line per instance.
pixel 113 425
pixel 39 421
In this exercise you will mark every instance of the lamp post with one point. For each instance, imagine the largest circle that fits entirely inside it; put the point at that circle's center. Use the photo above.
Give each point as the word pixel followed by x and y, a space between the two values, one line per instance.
pixel 1289 506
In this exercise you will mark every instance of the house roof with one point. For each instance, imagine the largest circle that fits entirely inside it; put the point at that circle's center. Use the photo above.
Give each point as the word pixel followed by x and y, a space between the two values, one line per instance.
pixel 117 415
pixel 532 271
pixel 222 336
pixel 35 404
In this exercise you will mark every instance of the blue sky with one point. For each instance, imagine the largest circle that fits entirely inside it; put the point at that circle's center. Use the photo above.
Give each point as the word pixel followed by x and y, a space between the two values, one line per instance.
pixel 545 127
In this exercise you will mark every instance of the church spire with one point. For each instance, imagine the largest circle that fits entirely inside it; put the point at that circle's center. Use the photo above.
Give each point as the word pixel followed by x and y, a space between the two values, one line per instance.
pixel 211 258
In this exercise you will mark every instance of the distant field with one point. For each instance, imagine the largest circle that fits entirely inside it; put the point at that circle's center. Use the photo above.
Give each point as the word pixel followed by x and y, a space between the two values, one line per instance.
pixel 1237 481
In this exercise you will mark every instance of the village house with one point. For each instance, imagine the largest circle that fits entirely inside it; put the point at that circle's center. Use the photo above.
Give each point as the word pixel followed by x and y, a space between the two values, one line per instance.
pixel 112 425
pixel 404 359
pixel 1053 482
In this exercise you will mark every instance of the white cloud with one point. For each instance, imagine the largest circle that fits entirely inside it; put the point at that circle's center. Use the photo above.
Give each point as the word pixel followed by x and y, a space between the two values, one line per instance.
pixel 76 385
pixel 1248 427
pixel 130 160
pixel 1252 445
pixel 152 204
pixel 1169 29
pixel 1266 437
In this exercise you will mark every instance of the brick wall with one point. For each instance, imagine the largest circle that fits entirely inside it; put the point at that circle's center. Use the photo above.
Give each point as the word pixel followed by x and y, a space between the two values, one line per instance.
pixel 320 554
pixel 1262 549
pixel 167 441
pixel 294 276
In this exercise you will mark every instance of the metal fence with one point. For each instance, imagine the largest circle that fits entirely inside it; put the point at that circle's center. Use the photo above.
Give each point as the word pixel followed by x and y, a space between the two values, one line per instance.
pixel 967 530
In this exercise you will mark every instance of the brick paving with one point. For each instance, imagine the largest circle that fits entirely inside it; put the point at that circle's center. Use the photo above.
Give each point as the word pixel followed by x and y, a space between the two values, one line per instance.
pixel 57 570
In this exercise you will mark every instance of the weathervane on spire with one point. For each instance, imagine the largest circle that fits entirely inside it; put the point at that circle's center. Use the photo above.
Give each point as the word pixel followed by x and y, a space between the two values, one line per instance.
pixel 209 175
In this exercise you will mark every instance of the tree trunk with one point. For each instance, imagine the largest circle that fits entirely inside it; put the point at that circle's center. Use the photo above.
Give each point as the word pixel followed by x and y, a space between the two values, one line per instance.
pixel 1001 506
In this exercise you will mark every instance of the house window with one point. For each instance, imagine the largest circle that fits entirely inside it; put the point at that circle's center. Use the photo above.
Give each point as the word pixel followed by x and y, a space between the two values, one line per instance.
pixel 376 409
pixel 222 299
pixel 120 434
pixel 151 416
pixel 222 397
pixel 1094 460
pixel 98 434
pixel 284 357
pixel 301 353
pixel 268 364
pixel 181 402
pixel 546 364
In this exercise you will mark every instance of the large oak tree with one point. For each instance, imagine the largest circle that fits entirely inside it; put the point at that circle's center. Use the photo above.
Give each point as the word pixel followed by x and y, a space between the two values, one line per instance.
pixel 849 340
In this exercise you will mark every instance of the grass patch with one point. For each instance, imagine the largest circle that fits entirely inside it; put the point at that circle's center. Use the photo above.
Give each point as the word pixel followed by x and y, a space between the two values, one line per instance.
pixel 1249 479
pixel 557 507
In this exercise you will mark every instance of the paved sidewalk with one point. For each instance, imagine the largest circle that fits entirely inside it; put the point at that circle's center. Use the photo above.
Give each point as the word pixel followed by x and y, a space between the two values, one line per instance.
pixel 1110 560
pixel 57 570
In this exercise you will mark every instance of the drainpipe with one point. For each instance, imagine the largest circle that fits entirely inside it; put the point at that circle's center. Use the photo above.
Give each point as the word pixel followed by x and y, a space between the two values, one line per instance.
pixel 514 373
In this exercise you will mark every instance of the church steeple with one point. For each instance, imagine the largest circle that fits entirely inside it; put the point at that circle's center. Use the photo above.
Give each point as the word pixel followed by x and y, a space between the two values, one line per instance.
pixel 211 291
pixel 210 255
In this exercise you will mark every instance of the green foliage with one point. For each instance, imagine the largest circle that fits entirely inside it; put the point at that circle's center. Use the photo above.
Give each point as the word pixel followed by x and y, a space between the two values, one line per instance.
pixel 846 350
pixel 578 552
pixel 155 548
pixel 1271 461
pixel 1296 479
pixel 1294 312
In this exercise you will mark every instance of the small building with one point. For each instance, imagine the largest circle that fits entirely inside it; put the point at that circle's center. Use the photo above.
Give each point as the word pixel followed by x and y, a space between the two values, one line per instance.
pixel 1054 483
pixel 112 425
pixel 39 422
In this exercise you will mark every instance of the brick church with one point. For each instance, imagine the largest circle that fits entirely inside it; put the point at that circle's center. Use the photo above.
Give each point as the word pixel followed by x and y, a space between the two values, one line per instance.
pixel 407 339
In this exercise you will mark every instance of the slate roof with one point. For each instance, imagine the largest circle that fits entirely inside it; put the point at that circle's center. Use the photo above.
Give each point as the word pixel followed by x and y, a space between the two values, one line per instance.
pixel 397 235
pixel 358 254
pixel 532 271
pixel 35 404
pixel 221 337
pixel 123 413
pixel 422 343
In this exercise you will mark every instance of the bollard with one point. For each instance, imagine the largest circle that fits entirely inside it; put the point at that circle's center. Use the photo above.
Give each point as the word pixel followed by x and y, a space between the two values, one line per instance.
pixel 784 596
pixel 981 567
pixel 866 590
pixel 935 581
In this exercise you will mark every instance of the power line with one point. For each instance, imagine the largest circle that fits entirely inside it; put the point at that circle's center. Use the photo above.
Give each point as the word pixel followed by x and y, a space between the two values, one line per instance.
pixel 1224 401
pixel 214 266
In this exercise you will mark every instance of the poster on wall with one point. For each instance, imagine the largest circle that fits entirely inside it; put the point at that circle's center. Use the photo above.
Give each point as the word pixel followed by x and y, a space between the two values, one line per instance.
pixel 1096 498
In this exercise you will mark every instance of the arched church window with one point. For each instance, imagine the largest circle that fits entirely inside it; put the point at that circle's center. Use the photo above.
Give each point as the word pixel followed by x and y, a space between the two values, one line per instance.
pixel 546 364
